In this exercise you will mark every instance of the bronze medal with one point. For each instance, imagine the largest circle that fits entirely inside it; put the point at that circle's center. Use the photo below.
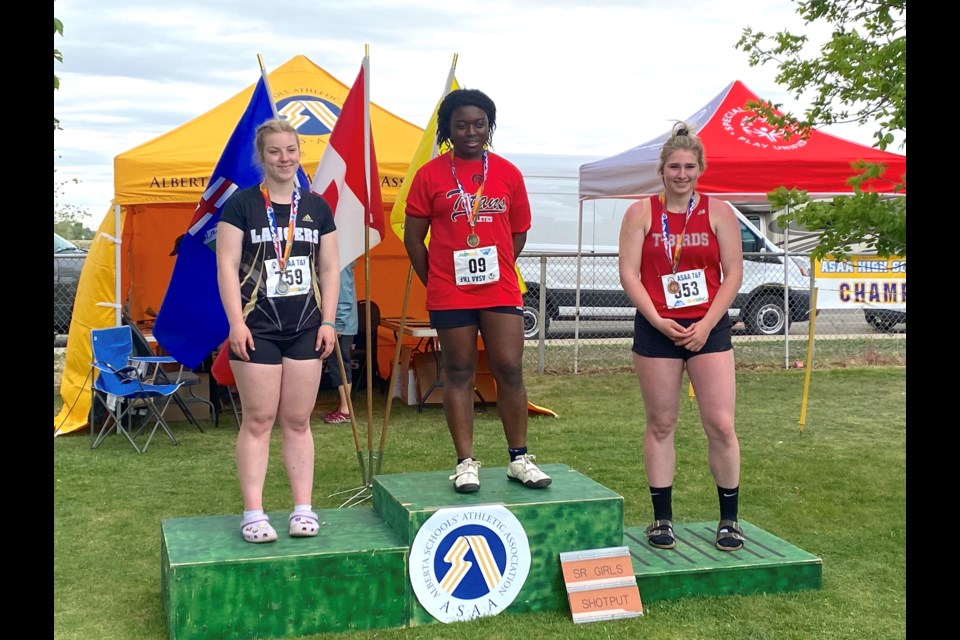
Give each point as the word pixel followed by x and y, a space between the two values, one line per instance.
pixel 673 286
pixel 473 240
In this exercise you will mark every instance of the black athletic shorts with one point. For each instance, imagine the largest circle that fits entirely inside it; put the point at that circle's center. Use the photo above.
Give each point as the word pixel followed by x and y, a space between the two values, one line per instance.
pixel 649 342
pixel 301 346
pixel 454 318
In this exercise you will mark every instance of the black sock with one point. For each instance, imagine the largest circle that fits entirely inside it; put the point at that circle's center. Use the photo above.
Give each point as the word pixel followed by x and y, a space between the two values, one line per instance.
pixel 516 453
pixel 662 498
pixel 728 502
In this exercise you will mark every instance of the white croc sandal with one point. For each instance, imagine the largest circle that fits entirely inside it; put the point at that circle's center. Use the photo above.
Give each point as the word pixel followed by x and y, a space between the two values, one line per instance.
pixel 304 524
pixel 257 529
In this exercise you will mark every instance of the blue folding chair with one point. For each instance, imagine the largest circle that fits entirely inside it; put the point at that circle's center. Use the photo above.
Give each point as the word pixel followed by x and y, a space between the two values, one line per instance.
pixel 124 385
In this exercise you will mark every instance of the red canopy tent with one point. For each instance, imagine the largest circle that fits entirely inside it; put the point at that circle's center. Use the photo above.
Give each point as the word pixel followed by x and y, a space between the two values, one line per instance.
pixel 744 159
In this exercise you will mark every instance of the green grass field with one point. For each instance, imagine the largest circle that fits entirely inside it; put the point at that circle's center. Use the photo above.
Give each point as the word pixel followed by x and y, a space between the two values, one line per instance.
pixel 835 488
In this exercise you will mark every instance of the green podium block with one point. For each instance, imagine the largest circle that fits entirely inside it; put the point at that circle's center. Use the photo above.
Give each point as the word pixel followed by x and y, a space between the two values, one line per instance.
pixel 350 577
pixel 695 567
pixel 574 513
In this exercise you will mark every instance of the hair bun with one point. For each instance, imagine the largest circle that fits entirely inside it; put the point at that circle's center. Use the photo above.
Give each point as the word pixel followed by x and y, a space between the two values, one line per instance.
pixel 683 131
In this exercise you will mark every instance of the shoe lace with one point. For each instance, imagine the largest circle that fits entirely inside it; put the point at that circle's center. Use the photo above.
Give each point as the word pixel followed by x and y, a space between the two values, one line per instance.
pixel 467 466
pixel 527 463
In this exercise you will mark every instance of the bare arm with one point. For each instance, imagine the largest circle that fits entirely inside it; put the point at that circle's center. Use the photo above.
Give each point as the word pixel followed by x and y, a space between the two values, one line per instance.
pixel 727 229
pixel 414 240
pixel 519 242
pixel 328 272
pixel 229 250
pixel 633 230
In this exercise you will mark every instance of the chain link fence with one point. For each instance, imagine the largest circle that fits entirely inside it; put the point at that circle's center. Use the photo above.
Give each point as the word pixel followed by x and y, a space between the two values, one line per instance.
pixel 861 317
pixel 578 319
pixel 66 274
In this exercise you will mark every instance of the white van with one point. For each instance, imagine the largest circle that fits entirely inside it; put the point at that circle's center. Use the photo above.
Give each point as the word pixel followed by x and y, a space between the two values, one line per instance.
pixel 551 250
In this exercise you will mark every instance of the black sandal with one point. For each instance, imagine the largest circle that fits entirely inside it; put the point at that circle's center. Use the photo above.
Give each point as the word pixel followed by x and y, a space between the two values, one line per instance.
pixel 729 536
pixel 660 534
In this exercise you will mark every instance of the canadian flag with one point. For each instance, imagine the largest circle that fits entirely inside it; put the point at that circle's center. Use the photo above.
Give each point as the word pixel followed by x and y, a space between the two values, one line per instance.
pixel 347 175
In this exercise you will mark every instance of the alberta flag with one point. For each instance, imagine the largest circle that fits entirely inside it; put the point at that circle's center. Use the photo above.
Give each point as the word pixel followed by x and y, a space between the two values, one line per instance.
pixel 347 175
pixel 191 322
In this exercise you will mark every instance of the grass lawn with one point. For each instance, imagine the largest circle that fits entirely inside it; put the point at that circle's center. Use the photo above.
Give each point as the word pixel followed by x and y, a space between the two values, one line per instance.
pixel 836 488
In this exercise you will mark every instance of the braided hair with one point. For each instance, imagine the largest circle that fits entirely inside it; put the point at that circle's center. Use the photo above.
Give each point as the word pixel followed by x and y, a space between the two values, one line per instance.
pixel 682 137
pixel 464 98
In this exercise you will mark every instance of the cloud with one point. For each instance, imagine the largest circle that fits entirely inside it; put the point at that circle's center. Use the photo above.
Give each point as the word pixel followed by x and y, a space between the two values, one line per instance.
pixel 568 78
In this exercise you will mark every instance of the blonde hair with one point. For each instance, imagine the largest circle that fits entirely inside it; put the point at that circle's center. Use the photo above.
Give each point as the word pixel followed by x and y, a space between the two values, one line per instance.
pixel 274 125
pixel 682 137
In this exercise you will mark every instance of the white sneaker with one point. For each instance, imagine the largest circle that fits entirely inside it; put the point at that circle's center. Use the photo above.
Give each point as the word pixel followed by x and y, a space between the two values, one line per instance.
pixel 524 470
pixel 466 478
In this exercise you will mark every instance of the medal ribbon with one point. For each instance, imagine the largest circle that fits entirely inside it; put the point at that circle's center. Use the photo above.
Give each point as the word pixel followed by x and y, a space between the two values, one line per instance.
pixel 674 256
pixel 284 254
pixel 471 203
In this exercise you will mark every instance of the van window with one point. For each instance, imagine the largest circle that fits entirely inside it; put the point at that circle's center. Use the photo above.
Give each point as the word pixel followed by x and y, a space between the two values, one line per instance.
pixel 751 244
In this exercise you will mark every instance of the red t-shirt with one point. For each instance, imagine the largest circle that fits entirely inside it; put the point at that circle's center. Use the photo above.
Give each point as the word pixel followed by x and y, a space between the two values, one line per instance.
pixel 699 250
pixel 504 210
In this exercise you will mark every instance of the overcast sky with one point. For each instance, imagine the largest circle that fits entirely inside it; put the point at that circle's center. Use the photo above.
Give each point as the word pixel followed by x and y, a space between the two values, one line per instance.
pixel 571 77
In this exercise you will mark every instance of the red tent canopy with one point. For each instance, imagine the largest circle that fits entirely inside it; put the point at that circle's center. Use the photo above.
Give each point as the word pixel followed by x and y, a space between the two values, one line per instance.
pixel 744 158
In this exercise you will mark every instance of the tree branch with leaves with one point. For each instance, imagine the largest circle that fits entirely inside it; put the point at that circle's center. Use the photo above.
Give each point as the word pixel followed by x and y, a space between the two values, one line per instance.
pixel 859 77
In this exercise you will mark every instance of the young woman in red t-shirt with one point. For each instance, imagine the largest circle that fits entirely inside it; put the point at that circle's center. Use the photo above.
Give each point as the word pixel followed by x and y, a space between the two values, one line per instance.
pixel 474 205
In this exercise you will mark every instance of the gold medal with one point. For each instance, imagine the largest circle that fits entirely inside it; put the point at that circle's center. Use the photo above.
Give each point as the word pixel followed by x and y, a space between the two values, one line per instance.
pixel 473 240
pixel 673 286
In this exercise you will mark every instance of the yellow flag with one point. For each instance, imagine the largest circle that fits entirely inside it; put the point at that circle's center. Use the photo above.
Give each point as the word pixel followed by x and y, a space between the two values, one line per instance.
pixel 426 151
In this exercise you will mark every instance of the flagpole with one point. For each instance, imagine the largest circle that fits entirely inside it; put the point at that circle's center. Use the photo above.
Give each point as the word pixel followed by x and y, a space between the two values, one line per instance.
pixel 369 331
pixel 266 82
pixel 395 371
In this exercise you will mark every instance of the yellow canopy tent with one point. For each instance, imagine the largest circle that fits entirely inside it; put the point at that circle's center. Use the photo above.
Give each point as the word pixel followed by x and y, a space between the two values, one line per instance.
pixel 158 184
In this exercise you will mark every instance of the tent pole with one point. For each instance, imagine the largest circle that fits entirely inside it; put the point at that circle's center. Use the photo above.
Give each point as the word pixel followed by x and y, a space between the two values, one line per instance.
pixel 118 275
pixel 576 317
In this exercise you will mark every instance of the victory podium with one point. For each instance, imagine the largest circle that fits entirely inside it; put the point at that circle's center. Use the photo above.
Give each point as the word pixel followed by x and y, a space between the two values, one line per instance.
pixel 355 575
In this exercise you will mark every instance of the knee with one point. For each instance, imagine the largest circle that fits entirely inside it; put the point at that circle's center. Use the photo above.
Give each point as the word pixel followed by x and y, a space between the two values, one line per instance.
pixel 721 431
pixel 258 426
pixel 459 375
pixel 661 430
pixel 295 426
pixel 509 376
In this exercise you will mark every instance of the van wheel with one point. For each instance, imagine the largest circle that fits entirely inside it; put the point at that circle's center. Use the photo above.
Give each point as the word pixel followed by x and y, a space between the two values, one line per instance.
pixel 531 319
pixel 766 316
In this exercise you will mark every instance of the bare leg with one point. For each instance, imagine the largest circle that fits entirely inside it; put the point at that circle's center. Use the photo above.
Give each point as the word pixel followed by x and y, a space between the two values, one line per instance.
pixel 459 353
pixel 714 380
pixel 660 380
pixel 344 391
pixel 298 397
pixel 503 340
pixel 259 389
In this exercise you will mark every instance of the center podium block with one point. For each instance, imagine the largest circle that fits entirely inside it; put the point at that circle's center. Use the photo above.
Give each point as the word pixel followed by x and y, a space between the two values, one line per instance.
pixel 574 513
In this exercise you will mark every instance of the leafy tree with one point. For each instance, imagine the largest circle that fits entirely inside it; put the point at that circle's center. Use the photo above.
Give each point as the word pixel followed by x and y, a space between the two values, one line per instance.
pixel 57 57
pixel 68 216
pixel 860 76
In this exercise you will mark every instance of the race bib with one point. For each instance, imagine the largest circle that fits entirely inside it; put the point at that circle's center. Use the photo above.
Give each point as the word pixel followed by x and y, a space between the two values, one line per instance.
pixel 685 288
pixel 295 280
pixel 476 266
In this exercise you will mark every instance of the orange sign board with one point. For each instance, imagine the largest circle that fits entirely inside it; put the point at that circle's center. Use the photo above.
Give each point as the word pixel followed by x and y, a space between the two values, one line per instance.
pixel 601 584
